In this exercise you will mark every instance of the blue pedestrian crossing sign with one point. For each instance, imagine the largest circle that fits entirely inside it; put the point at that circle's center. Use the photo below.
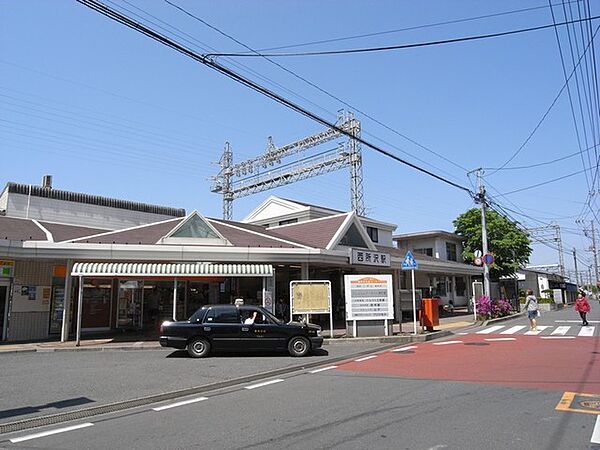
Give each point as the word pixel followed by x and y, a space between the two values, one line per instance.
pixel 409 262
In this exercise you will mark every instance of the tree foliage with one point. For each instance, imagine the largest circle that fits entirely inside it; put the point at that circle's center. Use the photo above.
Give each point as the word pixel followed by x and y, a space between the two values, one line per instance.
pixel 509 245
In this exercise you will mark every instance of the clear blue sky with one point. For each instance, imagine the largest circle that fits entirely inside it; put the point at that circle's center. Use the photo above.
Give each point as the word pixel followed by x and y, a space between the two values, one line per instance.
pixel 111 112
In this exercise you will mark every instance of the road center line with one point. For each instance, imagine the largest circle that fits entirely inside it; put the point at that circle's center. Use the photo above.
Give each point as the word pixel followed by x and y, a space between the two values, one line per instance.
pixel 365 358
pixel 266 383
pixel 51 432
pixel 500 339
pixel 596 434
pixel 323 369
pixel 405 349
pixel 184 402
pixel 447 342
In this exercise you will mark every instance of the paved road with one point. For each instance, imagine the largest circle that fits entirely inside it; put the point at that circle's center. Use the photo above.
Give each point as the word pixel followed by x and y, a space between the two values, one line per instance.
pixel 478 393
pixel 35 384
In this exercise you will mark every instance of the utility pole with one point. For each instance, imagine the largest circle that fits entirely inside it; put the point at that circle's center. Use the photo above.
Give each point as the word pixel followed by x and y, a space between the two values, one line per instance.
pixel 484 243
pixel 595 254
pixel 576 271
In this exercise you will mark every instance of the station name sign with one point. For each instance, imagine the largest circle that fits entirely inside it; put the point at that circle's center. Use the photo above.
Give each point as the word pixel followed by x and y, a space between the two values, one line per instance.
pixel 369 258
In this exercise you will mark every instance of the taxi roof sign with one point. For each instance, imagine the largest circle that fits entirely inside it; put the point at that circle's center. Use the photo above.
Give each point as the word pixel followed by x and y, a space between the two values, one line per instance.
pixel 409 262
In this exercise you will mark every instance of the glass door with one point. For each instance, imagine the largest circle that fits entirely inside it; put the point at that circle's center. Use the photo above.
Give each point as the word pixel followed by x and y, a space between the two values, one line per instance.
pixel 3 310
pixel 130 304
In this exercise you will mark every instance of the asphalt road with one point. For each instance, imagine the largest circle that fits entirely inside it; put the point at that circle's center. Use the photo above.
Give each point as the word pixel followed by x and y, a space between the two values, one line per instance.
pixel 478 390
pixel 35 384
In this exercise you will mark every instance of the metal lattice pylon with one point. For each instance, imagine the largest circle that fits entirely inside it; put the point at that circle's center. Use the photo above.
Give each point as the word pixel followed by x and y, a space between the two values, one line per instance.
pixel 261 173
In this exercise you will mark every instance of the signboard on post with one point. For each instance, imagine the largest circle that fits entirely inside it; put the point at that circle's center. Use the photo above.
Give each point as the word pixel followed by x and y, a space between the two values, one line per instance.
pixel 311 297
pixel 410 263
pixel 369 297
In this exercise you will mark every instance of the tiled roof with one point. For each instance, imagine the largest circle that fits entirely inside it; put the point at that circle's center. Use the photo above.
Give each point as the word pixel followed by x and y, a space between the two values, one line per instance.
pixel 314 233
pixel 400 253
pixel 20 230
pixel 61 232
pixel 239 237
pixel 142 235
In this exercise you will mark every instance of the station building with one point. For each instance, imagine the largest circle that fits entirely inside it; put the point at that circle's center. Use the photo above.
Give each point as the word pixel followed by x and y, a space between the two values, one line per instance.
pixel 137 264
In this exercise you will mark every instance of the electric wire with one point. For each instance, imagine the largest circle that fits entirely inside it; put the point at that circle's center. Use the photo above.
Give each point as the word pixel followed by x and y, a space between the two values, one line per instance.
pixel 402 46
pixel 203 59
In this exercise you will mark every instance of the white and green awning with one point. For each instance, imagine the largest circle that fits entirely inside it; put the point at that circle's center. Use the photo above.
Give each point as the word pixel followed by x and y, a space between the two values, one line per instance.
pixel 171 270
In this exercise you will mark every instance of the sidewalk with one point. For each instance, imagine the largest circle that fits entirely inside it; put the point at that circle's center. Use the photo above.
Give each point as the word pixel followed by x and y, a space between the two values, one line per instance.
pixel 144 342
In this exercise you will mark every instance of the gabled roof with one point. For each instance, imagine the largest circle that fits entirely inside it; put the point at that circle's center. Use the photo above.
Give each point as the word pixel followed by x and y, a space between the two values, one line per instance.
pixel 15 229
pixel 62 232
pixel 325 232
pixel 141 234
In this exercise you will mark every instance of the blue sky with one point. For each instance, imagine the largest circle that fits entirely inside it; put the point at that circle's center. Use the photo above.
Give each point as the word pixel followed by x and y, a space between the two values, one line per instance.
pixel 110 112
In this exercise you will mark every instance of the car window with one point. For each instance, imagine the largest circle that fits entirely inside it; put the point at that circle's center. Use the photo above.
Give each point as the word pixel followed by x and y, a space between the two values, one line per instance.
pixel 247 313
pixel 222 315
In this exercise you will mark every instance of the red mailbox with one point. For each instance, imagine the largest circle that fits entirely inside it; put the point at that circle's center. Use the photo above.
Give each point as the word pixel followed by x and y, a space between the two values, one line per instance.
pixel 430 313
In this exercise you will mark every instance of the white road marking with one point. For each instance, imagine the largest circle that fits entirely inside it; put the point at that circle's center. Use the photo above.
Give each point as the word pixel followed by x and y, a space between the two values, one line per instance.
pixel 51 432
pixel 513 330
pixel 461 334
pixel 560 331
pixel 596 433
pixel 266 383
pixel 365 358
pixel 405 349
pixel 447 342
pixel 557 337
pixel 322 369
pixel 491 329
pixel 500 339
pixel 586 331
pixel 182 403
pixel 576 321
pixel 540 328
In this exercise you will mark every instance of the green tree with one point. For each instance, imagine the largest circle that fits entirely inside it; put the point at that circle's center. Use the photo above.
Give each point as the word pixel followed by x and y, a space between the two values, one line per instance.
pixel 508 243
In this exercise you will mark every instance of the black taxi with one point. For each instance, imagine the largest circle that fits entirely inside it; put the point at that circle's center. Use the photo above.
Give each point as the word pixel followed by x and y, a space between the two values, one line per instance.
pixel 235 328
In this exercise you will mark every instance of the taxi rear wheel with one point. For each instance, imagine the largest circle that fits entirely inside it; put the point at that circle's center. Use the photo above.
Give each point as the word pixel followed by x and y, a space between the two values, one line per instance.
pixel 298 346
pixel 198 348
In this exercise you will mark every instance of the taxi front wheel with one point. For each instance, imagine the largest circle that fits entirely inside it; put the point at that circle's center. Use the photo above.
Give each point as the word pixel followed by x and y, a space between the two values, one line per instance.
pixel 298 346
pixel 198 348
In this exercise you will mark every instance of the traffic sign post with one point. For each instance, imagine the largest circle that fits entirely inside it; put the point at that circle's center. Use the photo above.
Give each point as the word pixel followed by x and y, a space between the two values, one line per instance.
pixel 488 259
pixel 410 263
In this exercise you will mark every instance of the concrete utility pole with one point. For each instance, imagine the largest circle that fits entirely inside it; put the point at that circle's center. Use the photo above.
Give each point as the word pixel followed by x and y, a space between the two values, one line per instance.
pixel 576 271
pixel 484 243
pixel 595 253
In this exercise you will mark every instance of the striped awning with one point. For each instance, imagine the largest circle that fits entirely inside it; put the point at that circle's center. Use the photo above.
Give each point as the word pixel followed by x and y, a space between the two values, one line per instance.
pixel 171 270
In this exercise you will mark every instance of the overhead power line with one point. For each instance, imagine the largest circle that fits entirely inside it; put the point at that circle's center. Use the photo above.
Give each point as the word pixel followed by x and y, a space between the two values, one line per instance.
pixel 545 163
pixel 204 59
pixel 404 46
pixel 320 89
pixel 412 28
pixel 549 181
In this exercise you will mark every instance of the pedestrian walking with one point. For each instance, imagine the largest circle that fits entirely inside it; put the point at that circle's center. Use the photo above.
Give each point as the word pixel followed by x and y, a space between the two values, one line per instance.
pixel 582 306
pixel 531 305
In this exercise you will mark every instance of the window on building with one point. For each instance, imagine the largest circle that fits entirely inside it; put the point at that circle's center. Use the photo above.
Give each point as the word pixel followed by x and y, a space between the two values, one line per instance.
pixel 353 238
pixel 450 251
pixel 195 227
pixel 373 233
pixel 438 286
pixel 287 222
pixel 424 251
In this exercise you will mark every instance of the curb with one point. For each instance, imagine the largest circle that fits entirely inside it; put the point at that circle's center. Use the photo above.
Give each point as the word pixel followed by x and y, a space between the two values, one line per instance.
pixel 398 339
pixel 485 323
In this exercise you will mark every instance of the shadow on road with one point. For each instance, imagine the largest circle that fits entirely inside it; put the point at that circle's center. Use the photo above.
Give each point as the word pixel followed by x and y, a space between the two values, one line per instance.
pixel 248 354
pixel 77 401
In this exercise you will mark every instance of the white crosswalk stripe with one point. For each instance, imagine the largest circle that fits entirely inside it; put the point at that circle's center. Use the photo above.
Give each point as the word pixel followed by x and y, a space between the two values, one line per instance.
pixel 560 331
pixel 540 328
pixel 587 331
pixel 548 330
pixel 513 330
pixel 491 330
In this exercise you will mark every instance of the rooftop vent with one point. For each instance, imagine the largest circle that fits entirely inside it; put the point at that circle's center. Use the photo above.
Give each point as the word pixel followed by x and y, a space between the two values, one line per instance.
pixel 47 182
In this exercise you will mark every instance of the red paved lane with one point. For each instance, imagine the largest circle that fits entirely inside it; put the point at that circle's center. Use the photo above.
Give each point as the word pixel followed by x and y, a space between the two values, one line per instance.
pixel 528 362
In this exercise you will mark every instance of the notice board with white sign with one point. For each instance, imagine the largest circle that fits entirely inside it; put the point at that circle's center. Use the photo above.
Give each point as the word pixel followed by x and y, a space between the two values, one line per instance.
pixel 369 297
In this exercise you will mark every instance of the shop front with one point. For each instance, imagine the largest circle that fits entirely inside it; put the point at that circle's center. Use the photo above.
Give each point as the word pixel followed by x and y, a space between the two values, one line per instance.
pixel 140 296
